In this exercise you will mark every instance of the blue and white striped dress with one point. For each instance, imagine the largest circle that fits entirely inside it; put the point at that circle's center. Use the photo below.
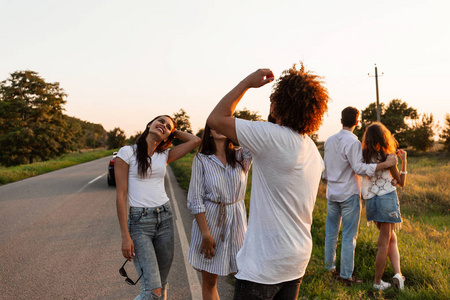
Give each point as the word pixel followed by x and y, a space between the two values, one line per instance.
pixel 212 182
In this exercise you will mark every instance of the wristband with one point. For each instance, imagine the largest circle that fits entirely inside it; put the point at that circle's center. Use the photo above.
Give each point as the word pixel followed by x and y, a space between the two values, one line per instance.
pixel 403 172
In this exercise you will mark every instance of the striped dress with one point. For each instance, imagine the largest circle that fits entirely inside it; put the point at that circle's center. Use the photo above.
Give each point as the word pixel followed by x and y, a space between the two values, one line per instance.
pixel 219 192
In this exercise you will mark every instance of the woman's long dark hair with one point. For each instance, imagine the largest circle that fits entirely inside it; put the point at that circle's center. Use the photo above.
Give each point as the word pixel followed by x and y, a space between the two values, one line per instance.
pixel 142 158
pixel 208 147
pixel 377 142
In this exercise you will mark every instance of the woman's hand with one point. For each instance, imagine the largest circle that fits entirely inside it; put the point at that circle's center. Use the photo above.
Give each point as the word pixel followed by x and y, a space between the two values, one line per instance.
pixel 128 248
pixel 402 154
pixel 208 246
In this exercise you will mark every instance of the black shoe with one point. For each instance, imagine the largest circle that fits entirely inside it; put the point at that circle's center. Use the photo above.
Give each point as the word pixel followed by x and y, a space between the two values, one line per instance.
pixel 349 281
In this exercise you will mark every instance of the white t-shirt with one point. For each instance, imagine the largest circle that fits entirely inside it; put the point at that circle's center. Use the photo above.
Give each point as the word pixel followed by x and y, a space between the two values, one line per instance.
pixel 148 191
pixel 286 175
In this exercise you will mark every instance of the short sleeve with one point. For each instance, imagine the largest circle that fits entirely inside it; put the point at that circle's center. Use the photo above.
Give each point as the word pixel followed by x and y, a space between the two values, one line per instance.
pixel 253 135
pixel 125 153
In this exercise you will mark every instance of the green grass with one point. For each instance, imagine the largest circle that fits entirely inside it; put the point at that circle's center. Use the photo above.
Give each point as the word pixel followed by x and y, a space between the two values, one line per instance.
pixel 16 173
pixel 424 239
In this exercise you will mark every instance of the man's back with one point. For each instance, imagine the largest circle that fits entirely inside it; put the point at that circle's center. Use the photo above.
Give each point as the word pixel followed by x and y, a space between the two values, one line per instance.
pixel 343 161
pixel 286 175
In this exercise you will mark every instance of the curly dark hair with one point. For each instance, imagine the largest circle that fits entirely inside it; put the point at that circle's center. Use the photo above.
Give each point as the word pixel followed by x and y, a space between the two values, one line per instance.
pixel 142 158
pixel 300 100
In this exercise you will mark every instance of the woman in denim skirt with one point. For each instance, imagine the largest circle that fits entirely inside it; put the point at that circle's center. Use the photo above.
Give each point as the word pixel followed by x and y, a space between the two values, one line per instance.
pixel 148 234
pixel 382 205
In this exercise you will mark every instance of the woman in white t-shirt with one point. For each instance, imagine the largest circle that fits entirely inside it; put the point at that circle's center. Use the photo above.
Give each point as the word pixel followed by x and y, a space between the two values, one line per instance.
pixel 148 234
pixel 216 198
pixel 382 205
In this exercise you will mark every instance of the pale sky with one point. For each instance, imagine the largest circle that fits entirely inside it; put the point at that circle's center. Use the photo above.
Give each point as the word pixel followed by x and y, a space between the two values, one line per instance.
pixel 124 62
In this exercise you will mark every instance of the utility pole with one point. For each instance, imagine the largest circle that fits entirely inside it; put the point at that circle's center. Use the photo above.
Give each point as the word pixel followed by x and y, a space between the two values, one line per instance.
pixel 378 99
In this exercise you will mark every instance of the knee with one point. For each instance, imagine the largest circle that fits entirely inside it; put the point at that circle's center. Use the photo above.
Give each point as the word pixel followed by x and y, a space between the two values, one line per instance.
pixel 210 284
pixel 209 281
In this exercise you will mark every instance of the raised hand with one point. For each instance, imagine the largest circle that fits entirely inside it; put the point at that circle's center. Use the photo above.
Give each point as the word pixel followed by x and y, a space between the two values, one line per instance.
pixel 259 78
pixel 402 154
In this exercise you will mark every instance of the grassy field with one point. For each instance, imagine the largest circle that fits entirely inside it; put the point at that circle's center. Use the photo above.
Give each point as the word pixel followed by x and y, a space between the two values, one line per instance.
pixel 20 172
pixel 424 239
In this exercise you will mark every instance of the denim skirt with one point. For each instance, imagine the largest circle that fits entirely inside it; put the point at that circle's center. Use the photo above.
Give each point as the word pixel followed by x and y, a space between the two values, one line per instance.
pixel 385 208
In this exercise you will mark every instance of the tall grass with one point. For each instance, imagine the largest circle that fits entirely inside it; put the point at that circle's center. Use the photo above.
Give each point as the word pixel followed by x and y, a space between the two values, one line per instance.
pixel 424 239
pixel 11 174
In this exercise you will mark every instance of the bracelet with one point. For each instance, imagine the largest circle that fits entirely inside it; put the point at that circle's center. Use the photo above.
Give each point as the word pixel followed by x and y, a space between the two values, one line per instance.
pixel 403 172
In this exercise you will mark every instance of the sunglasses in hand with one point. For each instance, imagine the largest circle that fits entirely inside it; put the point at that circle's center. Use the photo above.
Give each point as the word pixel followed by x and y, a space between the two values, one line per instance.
pixel 124 274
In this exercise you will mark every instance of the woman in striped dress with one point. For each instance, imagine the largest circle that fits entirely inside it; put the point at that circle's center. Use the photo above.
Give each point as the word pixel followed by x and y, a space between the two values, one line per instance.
pixel 216 198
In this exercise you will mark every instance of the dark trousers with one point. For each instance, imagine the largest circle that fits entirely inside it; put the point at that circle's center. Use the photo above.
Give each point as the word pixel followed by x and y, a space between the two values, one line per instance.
pixel 248 290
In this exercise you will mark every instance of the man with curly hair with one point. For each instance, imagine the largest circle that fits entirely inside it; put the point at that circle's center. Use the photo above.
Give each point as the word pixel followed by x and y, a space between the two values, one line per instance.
pixel 286 173
pixel 343 163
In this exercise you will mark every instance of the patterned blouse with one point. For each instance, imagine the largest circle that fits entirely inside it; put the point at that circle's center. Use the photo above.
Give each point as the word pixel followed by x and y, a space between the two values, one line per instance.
pixel 219 192
pixel 377 185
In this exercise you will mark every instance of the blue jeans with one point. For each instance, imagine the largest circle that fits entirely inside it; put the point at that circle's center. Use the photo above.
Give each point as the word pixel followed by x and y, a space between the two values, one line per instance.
pixel 350 212
pixel 248 290
pixel 152 232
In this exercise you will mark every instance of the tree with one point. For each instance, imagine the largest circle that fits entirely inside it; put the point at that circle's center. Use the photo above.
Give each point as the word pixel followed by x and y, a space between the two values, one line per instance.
pixel 420 135
pixel 132 139
pixel 183 122
pixel 445 135
pixel 92 135
pixel 393 117
pixel 115 138
pixel 200 132
pixel 247 115
pixel 32 123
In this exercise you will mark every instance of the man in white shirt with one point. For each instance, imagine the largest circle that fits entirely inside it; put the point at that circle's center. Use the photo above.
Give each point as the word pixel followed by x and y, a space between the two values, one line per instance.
pixel 343 163
pixel 286 174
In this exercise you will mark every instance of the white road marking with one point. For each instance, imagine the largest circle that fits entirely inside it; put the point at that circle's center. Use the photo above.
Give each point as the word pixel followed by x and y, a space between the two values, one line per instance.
pixel 96 178
pixel 194 282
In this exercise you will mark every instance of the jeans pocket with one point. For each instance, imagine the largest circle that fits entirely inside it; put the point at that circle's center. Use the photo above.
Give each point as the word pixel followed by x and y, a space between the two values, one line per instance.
pixel 134 218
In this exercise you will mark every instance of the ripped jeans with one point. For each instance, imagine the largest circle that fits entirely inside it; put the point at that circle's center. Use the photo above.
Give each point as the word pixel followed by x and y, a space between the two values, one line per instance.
pixel 152 232
pixel 384 208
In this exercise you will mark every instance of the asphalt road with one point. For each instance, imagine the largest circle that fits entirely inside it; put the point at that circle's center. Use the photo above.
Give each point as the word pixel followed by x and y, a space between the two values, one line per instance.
pixel 60 239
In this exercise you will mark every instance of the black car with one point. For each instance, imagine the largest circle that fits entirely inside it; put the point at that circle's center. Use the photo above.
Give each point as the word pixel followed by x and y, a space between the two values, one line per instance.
pixel 111 178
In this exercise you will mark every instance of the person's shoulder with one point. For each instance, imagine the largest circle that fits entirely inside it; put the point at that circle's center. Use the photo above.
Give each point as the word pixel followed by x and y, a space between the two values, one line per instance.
pixel 200 156
pixel 127 149
pixel 250 123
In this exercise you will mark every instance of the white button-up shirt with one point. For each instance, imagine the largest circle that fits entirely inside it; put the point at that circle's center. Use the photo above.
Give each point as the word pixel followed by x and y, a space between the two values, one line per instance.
pixel 343 163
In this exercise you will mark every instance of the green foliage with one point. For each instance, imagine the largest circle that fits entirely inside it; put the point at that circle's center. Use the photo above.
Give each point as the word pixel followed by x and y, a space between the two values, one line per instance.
pixel 115 138
pixel 183 122
pixel 445 135
pixel 420 135
pixel 132 139
pixel 247 115
pixel 393 117
pixel 32 123
pixel 200 132
pixel 12 174
pixel 182 170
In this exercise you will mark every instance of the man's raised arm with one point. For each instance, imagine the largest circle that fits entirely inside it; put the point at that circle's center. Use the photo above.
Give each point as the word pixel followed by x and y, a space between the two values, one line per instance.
pixel 221 118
